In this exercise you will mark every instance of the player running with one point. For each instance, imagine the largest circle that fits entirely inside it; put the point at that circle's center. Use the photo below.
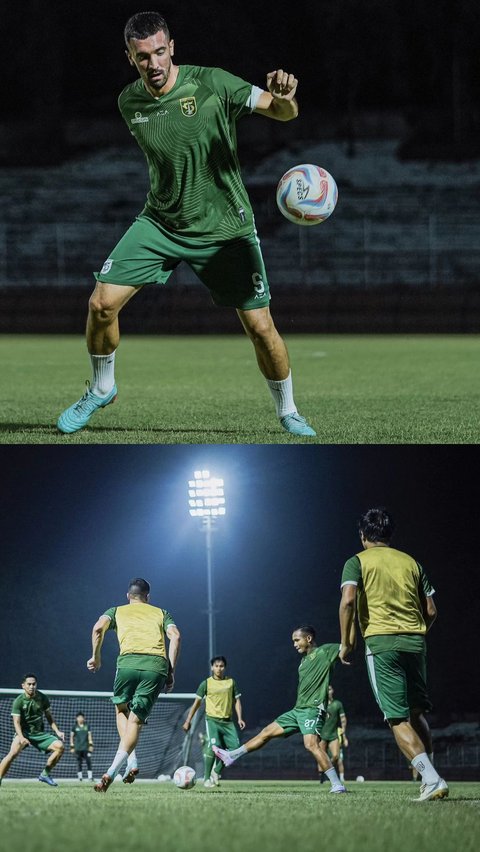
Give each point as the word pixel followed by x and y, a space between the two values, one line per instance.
pixel 220 694
pixel 334 732
pixel 28 711
pixel 395 611
pixel 81 745
pixel 143 669
pixel 308 715
pixel 183 117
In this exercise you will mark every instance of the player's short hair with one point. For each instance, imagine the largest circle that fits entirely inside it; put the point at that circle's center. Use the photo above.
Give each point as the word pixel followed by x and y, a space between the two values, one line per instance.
pixel 307 630
pixel 145 24
pixel 138 587
pixel 29 674
pixel 218 659
pixel 376 525
pixel 80 713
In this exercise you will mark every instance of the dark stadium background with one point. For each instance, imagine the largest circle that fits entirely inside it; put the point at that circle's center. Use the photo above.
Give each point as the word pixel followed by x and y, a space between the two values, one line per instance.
pixel 402 72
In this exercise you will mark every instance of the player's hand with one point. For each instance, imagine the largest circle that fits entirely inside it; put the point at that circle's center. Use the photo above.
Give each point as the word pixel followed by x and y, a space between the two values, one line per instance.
pixel 60 735
pixel 72 750
pixel 90 750
pixel 241 724
pixel 23 741
pixel 93 665
pixel 345 651
pixel 345 741
pixel 282 85
pixel 170 682
pixel 186 726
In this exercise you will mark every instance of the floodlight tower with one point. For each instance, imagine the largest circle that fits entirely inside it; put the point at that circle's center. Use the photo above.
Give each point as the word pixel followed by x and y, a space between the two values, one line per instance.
pixel 206 500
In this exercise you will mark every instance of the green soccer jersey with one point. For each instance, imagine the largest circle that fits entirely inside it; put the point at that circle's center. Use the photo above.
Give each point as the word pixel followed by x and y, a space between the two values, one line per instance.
pixel 188 136
pixel 80 737
pixel 332 722
pixel 314 676
pixel 31 712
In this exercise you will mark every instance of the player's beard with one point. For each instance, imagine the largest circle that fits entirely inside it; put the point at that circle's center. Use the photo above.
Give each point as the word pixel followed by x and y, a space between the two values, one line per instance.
pixel 161 81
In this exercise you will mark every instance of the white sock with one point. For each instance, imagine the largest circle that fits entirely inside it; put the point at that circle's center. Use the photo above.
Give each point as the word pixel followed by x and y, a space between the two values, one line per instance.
pixel 103 378
pixel 282 393
pixel 120 758
pixel 423 765
pixel 342 777
pixel 89 774
pixel 79 774
pixel 132 761
pixel 237 752
pixel 333 777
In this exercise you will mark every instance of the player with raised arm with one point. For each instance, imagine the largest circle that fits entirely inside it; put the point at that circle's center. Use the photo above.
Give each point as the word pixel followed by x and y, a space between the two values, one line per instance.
pixel 28 711
pixel 395 607
pixel 183 118
pixel 221 695
pixel 308 715
pixel 81 745
pixel 143 669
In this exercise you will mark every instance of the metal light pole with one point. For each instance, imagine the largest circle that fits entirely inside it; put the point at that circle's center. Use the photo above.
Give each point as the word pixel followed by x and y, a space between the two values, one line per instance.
pixel 206 500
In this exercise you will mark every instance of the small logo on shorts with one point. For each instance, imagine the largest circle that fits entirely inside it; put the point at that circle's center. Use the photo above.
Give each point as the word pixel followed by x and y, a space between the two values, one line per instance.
pixel 258 285
pixel 139 118
pixel 106 267
pixel 188 106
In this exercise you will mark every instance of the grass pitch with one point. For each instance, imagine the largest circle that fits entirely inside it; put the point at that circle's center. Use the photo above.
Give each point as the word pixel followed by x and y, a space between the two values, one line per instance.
pixel 201 390
pixel 237 817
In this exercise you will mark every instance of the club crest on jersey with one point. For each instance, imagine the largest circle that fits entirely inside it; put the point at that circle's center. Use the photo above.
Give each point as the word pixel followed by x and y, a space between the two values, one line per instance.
pixel 188 106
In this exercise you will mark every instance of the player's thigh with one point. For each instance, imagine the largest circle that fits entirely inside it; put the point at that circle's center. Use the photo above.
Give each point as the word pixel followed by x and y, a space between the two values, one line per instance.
pixel 389 684
pixel 148 688
pixel 124 686
pixel 17 747
pixel 234 272
pixel 334 748
pixel 229 735
pixel 110 297
pixel 415 666
pixel 144 255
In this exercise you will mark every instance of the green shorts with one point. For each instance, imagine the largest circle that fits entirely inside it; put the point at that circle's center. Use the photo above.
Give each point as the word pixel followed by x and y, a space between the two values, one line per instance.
pixel 233 270
pixel 399 682
pixel 139 689
pixel 41 741
pixel 220 732
pixel 302 721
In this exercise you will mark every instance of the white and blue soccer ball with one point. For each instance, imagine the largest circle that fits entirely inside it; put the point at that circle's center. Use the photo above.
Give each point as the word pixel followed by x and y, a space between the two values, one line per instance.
pixel 307 194
pixel 184 777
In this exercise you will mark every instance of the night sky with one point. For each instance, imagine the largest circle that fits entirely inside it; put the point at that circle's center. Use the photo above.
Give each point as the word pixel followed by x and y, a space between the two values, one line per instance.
pixel 78 523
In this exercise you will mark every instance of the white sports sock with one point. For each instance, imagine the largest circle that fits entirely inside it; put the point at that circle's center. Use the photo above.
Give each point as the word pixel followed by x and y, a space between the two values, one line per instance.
pixel 118 760
pixel 237 752
pixel 423 765
pixel 79 775
pixel 103 373
pixel 282 393
pixel 333 777
pixel 132 761
pixel 89 774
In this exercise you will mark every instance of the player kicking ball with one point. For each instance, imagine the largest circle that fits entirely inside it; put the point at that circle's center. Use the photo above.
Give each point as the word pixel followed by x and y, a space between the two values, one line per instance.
pixel 309 713
pixel 183 117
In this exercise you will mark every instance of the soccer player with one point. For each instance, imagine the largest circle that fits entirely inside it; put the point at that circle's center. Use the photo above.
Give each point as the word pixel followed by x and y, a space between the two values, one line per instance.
pixel 28 711
pixel 220 694
pixel 334 731
pixel 143 669
pixel 81 745
pixel 183 117
pixel 308 715
pixel 395 611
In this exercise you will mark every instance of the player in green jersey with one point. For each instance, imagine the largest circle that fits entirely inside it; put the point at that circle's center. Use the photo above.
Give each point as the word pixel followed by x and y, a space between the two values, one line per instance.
pixel 395 610
pixel 221 694
pixel 308 715
pixel 144 669
pixel 334 732
pixel 28 711
pixel 197 210
pixel 81 745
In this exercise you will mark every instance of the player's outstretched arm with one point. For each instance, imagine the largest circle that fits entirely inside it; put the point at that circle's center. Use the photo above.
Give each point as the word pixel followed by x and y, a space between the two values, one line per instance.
pixel 98 634
pixel 174 641
pixel 51 721
pixel 347 621
pixel 191 713
pixel 279 101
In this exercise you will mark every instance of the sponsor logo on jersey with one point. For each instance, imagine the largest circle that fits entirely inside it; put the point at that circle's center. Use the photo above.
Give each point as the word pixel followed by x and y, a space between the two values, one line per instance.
pixel 139 118
pixel 188 106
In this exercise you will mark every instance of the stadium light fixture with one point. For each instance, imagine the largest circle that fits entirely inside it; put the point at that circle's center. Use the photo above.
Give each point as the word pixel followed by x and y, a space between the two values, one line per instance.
pixel 206 500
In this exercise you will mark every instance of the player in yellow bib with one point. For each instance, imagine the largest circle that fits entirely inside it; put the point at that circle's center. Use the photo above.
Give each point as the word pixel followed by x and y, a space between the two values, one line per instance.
pixel 221 695
pixel 184 120
pixel 144 669
pixel 395 607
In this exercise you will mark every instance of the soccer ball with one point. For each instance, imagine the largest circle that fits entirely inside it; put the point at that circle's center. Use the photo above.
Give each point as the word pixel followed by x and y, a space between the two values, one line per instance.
pixel 307 194
pixel 184 777
pixel 360 779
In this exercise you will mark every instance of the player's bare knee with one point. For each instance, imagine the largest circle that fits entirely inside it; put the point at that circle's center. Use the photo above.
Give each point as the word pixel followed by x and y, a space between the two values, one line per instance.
pixel 100 310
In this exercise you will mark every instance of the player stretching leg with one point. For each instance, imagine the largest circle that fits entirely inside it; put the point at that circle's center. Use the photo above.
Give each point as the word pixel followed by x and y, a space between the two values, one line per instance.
pixel 28 711
pixel 143 668
pixel 395 611
pixel 197 210
pixel 308 715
